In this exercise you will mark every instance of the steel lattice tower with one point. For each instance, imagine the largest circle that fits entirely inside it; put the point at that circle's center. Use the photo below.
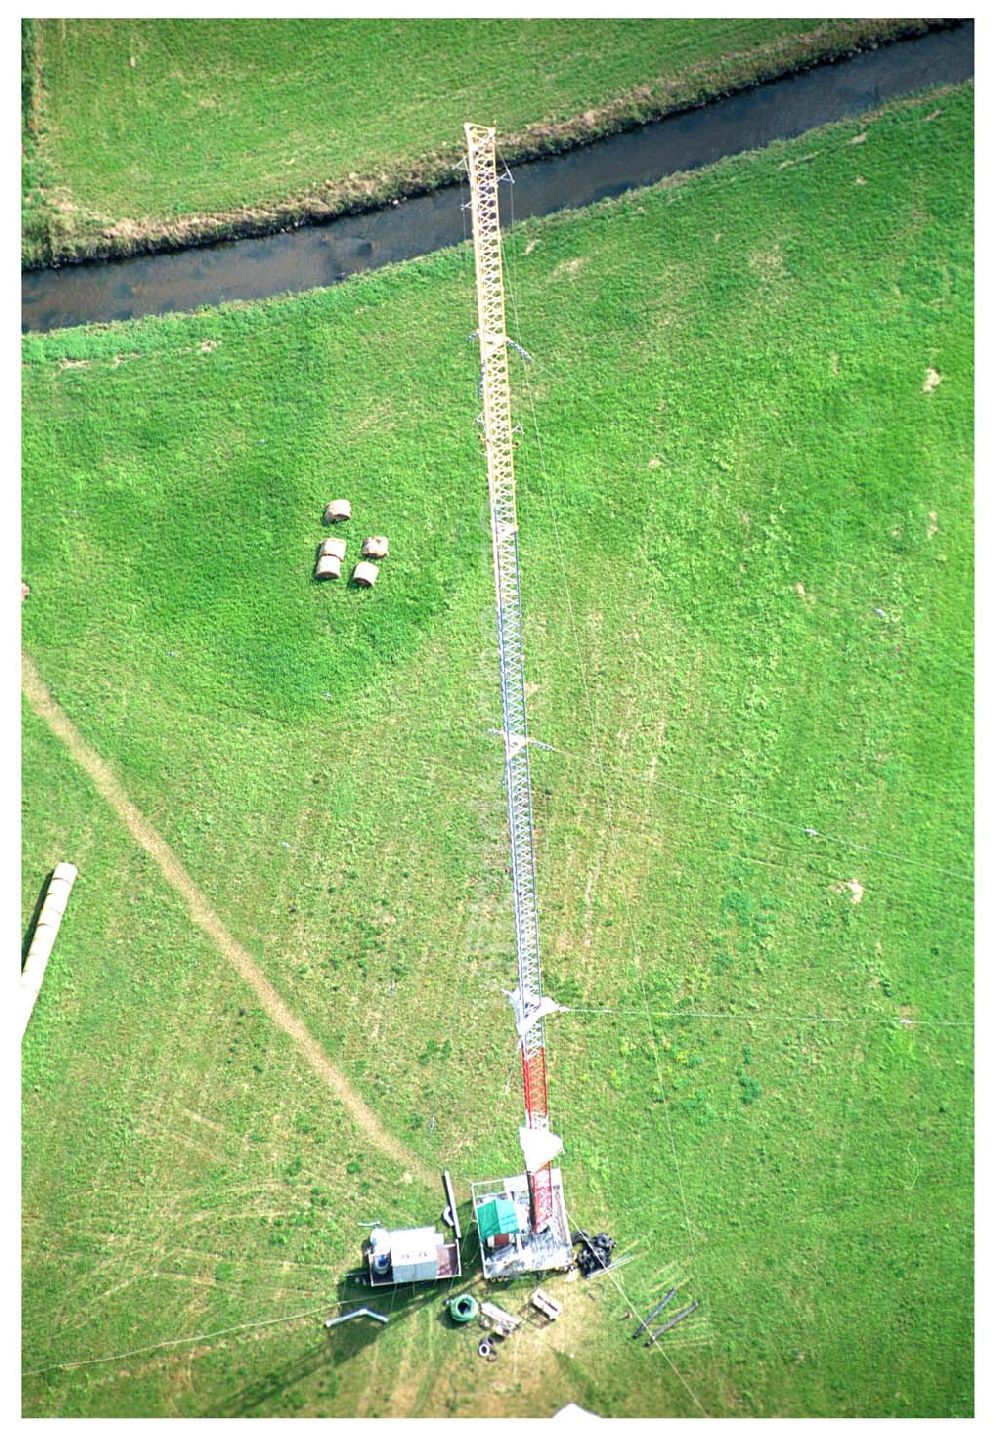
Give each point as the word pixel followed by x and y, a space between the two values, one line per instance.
pixel 481 157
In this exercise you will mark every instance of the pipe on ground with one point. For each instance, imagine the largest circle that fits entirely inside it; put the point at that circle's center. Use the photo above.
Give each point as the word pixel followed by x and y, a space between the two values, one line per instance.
pixel 44 937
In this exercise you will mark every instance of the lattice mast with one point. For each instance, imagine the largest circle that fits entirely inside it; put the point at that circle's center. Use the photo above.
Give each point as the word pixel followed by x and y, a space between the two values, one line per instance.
pixel 481 158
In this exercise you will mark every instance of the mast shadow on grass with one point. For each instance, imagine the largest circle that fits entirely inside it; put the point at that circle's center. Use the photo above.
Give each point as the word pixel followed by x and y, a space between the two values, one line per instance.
pixel 337 1345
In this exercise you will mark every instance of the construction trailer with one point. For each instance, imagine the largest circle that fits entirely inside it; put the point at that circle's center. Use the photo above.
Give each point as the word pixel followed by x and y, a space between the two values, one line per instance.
pixel 533 1201
pixel 417 1253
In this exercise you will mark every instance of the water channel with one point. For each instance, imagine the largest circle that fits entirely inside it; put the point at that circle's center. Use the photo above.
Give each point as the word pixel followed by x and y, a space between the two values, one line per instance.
pixel 325 254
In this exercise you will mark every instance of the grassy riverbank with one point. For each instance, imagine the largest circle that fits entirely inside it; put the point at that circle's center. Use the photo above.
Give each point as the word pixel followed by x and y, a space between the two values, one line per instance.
pixel 151 133
pixel 747 589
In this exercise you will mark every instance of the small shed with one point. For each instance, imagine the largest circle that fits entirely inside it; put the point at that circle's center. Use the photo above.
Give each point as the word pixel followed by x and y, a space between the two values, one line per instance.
pixel 328 565
pixel 334 548
pixel 337 511
pixel 377 547
pixel 365 573
pixel 497 1217
pixel 415 1254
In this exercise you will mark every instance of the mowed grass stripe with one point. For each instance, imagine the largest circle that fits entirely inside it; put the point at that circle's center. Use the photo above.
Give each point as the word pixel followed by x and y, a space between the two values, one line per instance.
pixel 204 916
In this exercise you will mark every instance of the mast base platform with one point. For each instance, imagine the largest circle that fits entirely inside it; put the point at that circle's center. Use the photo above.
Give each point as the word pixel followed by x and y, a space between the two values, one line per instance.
pixel 519 1253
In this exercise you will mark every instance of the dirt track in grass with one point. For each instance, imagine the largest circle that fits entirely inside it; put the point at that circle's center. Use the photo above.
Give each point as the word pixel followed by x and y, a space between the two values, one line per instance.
pixel 203 915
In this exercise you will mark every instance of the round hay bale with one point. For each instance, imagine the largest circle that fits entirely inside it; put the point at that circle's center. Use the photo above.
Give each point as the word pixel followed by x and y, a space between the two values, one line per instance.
pixel 327 566
pixel 375 547
pixel 365 573
pixel 25 590
pixel 337 511
pixel 334 548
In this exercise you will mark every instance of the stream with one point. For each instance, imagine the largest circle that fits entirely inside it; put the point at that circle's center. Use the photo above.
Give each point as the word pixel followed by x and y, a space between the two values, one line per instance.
pixel 322 255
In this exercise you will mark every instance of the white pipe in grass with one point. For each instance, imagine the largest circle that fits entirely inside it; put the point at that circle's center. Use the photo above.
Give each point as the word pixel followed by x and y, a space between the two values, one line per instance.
pixel 44 937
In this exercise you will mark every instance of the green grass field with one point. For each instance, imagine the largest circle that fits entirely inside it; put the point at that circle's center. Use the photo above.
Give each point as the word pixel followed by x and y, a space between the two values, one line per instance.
pixel 747 576
pixel 147 132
